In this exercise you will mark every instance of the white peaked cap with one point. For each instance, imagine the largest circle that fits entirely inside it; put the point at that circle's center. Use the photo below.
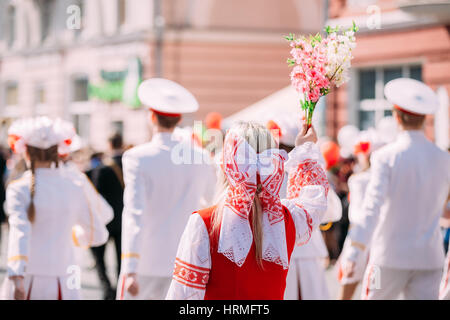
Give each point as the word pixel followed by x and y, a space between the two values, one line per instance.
pixel 35 132
pixel 290 125
pixel 77 144
pixel 347 137
pixel 166 96
pixel 66 131
pixel 411 95
pixel 371 136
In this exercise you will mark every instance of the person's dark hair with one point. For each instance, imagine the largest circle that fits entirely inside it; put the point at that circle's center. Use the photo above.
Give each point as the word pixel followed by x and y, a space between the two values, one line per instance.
pixel 409 120
pixel 286 148
pixel 41 155
pixel 116 141
pixel 167 122
pixel 96 155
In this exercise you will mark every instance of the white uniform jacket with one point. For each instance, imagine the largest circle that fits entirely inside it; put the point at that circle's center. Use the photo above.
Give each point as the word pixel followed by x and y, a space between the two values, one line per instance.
pixel 409 184
pixel 357 185
pixel 63 217
pixel 95 199
pixel 165 181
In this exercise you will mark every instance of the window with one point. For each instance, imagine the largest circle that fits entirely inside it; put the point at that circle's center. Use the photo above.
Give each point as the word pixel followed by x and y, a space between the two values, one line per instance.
pixel 117 127
pixel 80 89
pixel 46 17
pixel 40 95
pixel 80 4
pixel 11 26
pixel 122 12
pixel 371 99
pixel 11 94
pixel 81 123
pixel 40 101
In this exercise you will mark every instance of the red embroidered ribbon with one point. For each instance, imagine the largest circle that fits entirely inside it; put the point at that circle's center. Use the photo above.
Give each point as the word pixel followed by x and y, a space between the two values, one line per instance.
pixel 243 167
pixel 308 173
pixel 190 275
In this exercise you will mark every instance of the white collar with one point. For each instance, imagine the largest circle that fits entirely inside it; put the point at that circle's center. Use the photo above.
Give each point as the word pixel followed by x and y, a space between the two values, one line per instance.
pixel 411 134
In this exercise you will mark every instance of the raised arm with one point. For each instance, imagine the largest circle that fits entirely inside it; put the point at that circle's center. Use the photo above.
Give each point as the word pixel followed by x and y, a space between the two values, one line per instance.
pixel 192 263
pixel 307 190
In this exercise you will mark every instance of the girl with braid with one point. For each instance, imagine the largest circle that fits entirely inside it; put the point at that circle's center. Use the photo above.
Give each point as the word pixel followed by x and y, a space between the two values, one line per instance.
pixel 48 214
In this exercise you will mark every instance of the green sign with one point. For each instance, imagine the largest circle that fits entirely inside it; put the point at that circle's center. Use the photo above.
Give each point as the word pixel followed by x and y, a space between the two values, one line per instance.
pixel 119 85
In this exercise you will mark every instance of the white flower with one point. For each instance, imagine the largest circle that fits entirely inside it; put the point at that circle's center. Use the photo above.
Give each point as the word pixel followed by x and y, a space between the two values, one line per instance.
pixel 339 54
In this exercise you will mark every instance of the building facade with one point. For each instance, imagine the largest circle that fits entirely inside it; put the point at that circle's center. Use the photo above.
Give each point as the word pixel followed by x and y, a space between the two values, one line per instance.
pixel 396 39
pixel 230 54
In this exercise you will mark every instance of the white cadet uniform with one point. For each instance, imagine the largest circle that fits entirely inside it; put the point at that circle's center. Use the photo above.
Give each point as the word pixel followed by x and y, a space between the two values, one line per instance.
pixel 306 278
pixel 43 251
pixel 357 185
pixel 98 204
pixel 409 184
pixel 161 192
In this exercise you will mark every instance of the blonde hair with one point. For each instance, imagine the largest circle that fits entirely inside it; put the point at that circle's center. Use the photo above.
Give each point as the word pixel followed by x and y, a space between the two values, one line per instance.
pixel 260 139
pixel 42 155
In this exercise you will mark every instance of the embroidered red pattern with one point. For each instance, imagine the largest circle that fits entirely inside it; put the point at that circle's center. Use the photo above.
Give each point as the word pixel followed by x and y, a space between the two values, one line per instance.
pixel 309 222
pixel 242 191
pixel 190 275
pixel 308 172
pixel 269 197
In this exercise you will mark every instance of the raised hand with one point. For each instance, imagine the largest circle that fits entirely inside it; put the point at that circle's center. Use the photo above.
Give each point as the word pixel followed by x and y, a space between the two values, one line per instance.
pixel 306 135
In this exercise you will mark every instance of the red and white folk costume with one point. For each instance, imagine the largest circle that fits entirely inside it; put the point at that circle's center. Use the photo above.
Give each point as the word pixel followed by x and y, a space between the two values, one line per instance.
pixel 42 251
pixel 224 266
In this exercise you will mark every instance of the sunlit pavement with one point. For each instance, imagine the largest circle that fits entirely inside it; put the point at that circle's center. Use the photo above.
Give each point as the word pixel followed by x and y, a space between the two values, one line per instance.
pixel 90 284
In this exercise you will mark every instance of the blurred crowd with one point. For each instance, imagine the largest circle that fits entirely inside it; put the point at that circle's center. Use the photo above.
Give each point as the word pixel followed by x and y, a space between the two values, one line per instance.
pixel 344 157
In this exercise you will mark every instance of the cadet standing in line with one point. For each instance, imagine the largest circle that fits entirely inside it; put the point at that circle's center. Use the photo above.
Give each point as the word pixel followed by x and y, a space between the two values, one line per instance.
pixel 409 184
pixel 165 181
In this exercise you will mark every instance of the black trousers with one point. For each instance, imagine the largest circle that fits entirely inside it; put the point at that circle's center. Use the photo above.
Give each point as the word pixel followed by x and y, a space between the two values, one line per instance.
pixel 99 257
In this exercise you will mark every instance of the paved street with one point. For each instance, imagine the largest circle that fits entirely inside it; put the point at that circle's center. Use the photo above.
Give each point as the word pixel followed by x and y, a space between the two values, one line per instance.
pixel 90 283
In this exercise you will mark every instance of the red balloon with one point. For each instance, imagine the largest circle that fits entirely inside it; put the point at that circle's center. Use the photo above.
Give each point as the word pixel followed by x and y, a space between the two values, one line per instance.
pixel 274 128
pixel 330 151
pixel 213 120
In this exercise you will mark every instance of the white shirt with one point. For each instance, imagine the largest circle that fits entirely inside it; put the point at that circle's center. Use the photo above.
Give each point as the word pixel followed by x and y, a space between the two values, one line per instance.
pixel 161 191
pixel 63 217
pixel 409 184
pixel 357 186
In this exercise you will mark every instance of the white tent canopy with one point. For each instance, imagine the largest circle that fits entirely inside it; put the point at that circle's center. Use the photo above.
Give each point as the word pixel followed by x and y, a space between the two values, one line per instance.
pixel 286 100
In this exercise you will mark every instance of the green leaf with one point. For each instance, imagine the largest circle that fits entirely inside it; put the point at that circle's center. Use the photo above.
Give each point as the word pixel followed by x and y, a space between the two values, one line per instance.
pixel 290 62
pixel 290 37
